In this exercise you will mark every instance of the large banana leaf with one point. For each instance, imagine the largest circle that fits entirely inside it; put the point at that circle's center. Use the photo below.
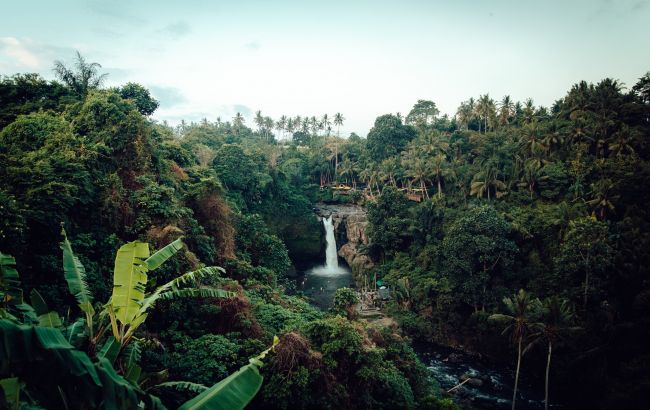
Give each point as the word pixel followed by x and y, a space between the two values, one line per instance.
pixel 232 393
pixel 11 388
pixel 235 391
pixel 9 282
pixel 158 258
pixel 50 319
pixel 71 376
pixel 11 295
pixel 75 274
pixel 10 292
pixel 129 280
pixel 172 285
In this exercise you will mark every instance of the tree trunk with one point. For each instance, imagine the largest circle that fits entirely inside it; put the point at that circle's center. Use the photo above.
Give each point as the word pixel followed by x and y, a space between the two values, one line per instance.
pixel 439 188
pixel 548 369
pixel 584 302
pixel 336 161
pixel 514 394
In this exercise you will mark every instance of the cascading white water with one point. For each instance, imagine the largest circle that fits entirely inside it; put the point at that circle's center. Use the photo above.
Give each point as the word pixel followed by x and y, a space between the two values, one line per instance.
pixel 331 267
pixel 331 258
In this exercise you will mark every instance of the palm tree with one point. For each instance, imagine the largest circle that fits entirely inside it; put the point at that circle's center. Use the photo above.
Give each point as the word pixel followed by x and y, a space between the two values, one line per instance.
pixel 291 126
pixel 268 126
pixel 519 322
pixel 326 124
pixel 506 110
pixel 281 125
pixel 347 167
pixel 622 143
pixel 259 121
pixel 441 169
pixel 81 79
pixel 532 173
pixel 238 122
pixel 338 121
pixel 313 122
pixel 557 317
pixel 603 197
pixel 388 170
pixel 366 177
pixel 305 126
pixel 486 110
pixel 417 167
pixel 529 111
pixel 532 141
pixel 487 180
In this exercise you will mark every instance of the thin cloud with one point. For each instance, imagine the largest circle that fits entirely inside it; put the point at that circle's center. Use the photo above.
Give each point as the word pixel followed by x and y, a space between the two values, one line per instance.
pixel 115 10
pixel 176 30
pixel 14 48
pixel 20 55
pixel 253 46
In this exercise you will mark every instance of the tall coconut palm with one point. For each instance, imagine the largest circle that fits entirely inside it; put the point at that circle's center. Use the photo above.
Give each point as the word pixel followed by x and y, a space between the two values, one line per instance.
pixel 506 110
pixel 348 168
pixel 366 177
pixel 522 311
pixel 557 318
pixel 238 122
pixel 281 124
pixel 486 111
pixel 338 121
pixel 529 111
pixel 82 78
pixel 532 141
pixel 531 174
pixel 603 197
pixel 304 126
pixel 388 170
pixel 440 170
pixel 326 123
pixel 313 123
pixel 466 113
pixel 268 127
pixel 487 180
pixel 259 121
pixel 417 167
pixel 291 126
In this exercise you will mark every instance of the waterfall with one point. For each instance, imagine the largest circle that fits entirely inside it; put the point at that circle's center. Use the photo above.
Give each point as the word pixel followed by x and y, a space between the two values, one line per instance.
pixel 331 258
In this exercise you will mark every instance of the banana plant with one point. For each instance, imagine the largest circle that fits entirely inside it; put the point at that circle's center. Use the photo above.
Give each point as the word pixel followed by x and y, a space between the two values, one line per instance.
pixel 75 274
pixel 129 305
pixel 11 294
pixel 127 309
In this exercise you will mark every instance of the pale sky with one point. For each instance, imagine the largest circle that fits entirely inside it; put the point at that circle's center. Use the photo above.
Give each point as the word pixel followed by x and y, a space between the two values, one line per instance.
pixel 361 58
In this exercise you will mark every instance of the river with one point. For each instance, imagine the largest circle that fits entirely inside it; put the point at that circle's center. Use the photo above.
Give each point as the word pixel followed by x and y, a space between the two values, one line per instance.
pixel 490 386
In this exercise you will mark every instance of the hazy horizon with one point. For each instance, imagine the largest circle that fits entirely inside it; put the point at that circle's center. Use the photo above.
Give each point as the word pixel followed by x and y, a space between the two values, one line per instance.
pixel 363 59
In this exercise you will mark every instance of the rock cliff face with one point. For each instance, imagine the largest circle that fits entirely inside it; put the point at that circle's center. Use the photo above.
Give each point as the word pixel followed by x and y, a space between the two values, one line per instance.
pixel 350 222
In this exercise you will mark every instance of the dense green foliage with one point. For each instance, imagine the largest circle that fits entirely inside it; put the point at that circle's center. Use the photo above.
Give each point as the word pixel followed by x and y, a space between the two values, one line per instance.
pixel 90 159
pixel 508 196
pixel 463 212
